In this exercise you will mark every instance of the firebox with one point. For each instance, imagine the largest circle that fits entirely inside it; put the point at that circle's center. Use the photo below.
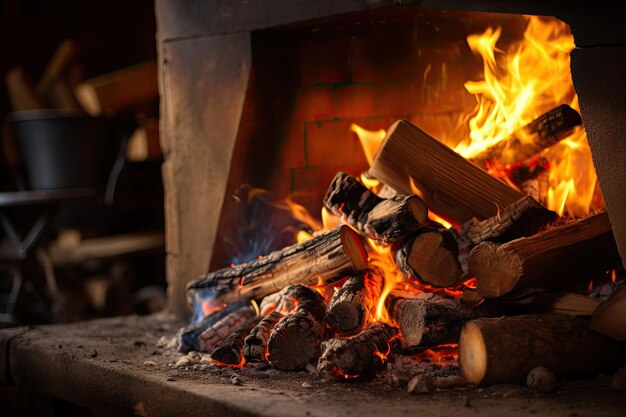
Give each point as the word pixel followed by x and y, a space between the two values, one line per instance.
pixel 315 111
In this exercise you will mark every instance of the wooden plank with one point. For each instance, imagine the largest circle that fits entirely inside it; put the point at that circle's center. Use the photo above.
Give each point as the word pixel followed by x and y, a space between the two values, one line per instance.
pixel 203 84
pixel 452 186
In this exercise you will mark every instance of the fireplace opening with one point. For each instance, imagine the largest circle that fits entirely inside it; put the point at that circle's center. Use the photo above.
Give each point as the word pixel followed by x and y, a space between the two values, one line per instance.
pixel 364 203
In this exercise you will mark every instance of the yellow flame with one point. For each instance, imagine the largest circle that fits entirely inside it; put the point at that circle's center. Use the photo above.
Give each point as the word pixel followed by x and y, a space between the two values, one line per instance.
pixel 256 307
pixel 300 213
pixel 370 140
pixel 329 220
pixel 303 236
pixel 381 259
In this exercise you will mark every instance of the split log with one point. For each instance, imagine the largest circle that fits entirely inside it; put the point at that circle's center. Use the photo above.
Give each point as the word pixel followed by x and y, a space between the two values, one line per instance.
pixel 296 338
pixel 327 256
pixel 188 336
pixel 216 333
pixel 432 256
pixel 384 220
pixel 229 352
pixel 557 258
pixel 429 320
pixel 610 317
pixel 450 185
pixel 504 350
pixel 356 357
pixel 350 308
pixel 523 218
pixel 541 133
pixel 255 344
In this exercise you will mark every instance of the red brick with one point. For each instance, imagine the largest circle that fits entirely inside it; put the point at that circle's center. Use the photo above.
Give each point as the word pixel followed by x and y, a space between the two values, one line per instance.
pixel 292 150
pixel 325 61
pixel 313 104
pixel 356 101
pixel 332 144
pixel 382 56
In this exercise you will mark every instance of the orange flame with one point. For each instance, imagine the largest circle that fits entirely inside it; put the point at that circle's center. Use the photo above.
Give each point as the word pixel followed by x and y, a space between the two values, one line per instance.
pixel 370 140
pixel 229 365
pixel 520 83
pixel 381 260
pixel 209 307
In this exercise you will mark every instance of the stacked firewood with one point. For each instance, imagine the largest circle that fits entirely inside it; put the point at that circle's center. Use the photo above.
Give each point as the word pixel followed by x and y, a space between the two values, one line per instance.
pixel 522 312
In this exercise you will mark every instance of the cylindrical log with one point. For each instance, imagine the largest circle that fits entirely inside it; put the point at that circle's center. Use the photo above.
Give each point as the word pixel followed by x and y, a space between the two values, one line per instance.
pixel 356 357
pixel 326 256
pixel 295 340
pixel 229 352
pixel 432 256
pixel 504 350
pixel 610 317
pixel 350 308
pixel 255 344
pixel 557 258
pixel 384 220
pixel 216 333
pixel 188 336
pixel 541 133
pixel 429 320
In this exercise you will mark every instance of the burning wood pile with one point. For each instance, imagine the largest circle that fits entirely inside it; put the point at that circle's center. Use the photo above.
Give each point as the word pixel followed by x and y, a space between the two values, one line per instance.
pixel 506 285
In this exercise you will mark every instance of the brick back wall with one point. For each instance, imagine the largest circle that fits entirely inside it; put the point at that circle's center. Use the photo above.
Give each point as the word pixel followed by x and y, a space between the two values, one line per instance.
pixel 309 84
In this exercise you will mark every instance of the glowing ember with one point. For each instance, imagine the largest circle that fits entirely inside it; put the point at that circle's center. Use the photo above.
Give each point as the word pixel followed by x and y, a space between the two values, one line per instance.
pixel 209 306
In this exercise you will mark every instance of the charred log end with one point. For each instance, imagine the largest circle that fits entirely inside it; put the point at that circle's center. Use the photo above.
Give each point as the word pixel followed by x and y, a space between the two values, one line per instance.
pixel 228 356
pixel 418 208
pixel 353 247
pixel 295 341
pixel 472 354
pixel 343 362
pixel 253 352
pixel 411 322
pixel 496 272
pixel 434 259
pixel 345 317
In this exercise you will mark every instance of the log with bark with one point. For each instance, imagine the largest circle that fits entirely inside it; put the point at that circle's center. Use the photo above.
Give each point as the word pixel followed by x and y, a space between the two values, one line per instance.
pixel 229 352
pixel 327 256
pixel 218 332
pixel 450 185
pixel 351 307
pixel 542 301
pixel 428 320
pixel 188 336
pixel 384 220
pixel 432 255
pixel 356 357
pixel 295 340
pixel 523 218
pixel 255 344
pixel 610 317
pixel 541 133
pixel 504 350
pixel 561 257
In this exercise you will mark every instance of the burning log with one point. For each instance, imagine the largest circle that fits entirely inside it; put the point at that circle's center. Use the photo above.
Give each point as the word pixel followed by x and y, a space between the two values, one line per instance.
pixel 189 335
pixel 504 350
pixel 296 338
pixel 255 345
pixel 541 133
pixel 432 256
pixel 610 317
pixel 356 357
pixel 523 218
pixel 326 256
pixel 229 352
pixel 532 178
pixel 429 320
pixel 384 220
pixel 218 332
pixel 452 186
pixel 557 258
pixel 350 308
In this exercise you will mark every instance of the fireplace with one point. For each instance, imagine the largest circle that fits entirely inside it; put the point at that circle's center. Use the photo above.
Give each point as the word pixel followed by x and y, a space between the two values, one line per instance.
pixel 265 93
